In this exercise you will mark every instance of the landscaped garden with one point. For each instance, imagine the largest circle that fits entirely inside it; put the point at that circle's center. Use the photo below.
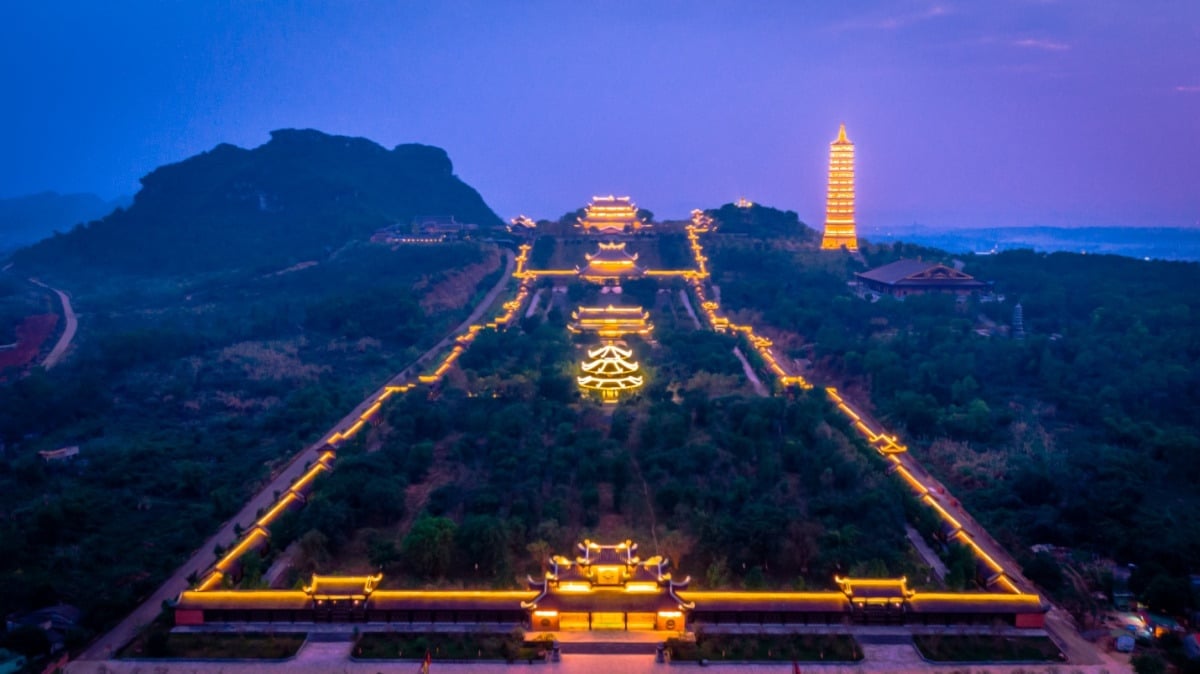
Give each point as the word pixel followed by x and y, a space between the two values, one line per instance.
pixel 986 648
pixel 450 646
pixel 199 646
pixel 766 647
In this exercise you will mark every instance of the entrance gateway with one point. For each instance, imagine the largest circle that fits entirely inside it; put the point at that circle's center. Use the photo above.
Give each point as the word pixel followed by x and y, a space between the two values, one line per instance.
pixel 607 587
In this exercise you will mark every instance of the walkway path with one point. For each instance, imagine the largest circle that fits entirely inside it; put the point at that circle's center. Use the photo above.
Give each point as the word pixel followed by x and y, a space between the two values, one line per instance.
pixel 687 304
pixel 758 385
pixel 72 324
pixel 203 557
pixel 895 659
pixel 926 552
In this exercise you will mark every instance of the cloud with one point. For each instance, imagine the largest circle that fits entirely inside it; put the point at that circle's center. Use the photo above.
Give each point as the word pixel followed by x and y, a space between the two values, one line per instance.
pixel 1044 45
pixel 897 21
pixel 1188 88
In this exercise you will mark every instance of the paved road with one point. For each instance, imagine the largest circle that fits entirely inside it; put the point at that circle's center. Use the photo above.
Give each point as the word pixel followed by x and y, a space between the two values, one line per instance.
pixel 72 323
pixel 203 558
pixel 1059 623
pixel 895 659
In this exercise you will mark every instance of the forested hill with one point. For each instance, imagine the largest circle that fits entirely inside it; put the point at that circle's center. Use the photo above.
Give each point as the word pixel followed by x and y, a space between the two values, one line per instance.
pixel 298 197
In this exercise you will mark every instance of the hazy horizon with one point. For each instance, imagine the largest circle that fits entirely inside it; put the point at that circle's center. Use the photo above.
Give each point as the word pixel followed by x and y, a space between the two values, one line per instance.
pixel 1022 113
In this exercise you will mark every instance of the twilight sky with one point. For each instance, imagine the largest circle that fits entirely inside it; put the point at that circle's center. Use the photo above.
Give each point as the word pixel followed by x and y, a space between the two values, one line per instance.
pixel 965 113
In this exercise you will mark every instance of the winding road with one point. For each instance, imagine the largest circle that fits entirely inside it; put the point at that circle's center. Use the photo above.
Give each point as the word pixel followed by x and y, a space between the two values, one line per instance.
pixel 72 324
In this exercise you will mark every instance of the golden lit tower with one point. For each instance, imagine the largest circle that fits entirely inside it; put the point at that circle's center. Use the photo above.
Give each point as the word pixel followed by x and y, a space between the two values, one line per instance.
pixel 839 206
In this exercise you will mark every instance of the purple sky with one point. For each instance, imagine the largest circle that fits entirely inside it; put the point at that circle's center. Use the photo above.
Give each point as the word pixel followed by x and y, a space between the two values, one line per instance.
pixel 965 113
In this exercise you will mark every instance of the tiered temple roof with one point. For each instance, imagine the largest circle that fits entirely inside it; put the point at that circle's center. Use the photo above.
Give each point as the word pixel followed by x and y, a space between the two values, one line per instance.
pixel 905 277
pixel 609 263
pixel 611 215
pixel 610 370
pixel 611 322
pixel 607 578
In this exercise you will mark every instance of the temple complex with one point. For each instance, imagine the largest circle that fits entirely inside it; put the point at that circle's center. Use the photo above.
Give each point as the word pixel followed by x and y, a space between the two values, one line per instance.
pixel 611 322
pixel 839 205
pixel 611 215
pixel 611 262
pixel 610 371
pixel 606 586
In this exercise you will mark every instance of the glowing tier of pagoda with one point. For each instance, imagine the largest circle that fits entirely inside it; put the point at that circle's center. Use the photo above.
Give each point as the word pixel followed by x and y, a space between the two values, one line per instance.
pixel 610 370
pixel 610 263
pixel 611 322
pixel 839 207
pixel 611 215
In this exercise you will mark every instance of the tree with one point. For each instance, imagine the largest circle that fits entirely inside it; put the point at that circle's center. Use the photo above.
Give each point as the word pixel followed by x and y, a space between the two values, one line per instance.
pixel 539 550
pixel 313 551
pixel 1148 663
pixel 428 548
pixel 482 542
pixel 675 544
pixel 28 640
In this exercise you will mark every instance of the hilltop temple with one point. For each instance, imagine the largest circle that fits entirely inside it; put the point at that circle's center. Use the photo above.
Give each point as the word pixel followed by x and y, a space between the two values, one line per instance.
pixel 611 215
pixel 839 205
pixel 611 262
pixel 610 371
pixel 611 322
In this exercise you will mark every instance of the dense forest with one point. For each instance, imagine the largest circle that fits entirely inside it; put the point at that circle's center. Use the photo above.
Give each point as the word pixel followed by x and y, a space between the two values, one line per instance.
pixel 1081 434
pixel 510 466
pixel 183 399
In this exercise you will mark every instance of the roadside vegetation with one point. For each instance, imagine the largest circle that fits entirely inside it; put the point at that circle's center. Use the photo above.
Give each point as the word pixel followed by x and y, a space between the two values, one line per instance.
pixel 986 648
pixel 184 396
pixel 766 648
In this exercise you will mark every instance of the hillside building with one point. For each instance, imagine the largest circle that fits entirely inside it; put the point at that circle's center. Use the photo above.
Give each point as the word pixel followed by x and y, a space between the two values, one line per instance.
pixel 610 322
pixel 914 277
pixel 611 215
pixel 611 262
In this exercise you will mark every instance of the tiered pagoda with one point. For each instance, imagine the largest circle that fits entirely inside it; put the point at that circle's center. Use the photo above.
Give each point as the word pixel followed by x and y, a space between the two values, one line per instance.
pixel 610 371
pixel 611 322
pixel 839 205
pixel 611 262
pixel 611 215
pixel 607 587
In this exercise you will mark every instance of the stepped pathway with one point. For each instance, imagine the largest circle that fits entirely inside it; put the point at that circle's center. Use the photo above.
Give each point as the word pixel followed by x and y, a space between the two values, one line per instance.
pixel 203 557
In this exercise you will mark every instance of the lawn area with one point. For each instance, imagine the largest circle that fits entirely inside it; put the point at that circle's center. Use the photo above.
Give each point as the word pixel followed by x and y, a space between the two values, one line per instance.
pixel 986 648
pixel 160 644
pixel 767 647
pixel 456 646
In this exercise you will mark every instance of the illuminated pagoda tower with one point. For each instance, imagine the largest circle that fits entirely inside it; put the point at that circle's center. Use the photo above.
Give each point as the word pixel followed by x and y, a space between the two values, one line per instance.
pixel 611 215
pixel 610 263
pixel 839 205
pixel 610 371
